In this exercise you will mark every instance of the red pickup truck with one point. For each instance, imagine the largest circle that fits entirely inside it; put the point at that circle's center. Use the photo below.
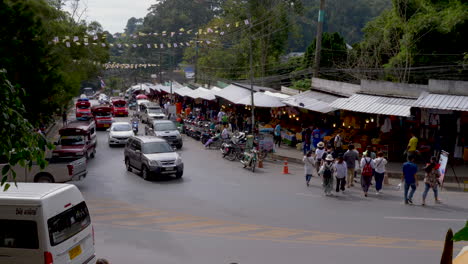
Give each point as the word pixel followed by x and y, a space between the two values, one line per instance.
pixel 83 109
pixel 78 139
pixel 102 116
pixel 119 107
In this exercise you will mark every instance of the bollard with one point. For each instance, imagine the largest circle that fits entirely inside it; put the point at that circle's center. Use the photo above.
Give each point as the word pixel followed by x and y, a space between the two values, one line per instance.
pixel 260 164
pixel 386 179
pixel 285 167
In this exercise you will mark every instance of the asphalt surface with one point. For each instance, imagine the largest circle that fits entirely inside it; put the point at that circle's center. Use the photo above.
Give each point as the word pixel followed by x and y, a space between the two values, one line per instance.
pixel 221 213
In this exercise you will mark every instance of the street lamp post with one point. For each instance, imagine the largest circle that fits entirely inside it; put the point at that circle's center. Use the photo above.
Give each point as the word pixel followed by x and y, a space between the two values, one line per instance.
pixel 252 103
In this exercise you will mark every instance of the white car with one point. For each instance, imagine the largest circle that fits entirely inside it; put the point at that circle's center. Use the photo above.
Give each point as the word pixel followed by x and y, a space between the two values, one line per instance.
pixel 119 133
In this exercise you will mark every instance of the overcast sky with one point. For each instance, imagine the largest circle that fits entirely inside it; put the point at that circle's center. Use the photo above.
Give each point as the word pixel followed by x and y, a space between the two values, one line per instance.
pixel 113 14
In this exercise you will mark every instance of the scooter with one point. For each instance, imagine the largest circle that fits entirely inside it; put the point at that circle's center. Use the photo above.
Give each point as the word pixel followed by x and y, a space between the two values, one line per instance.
pixel 135 126
pixel 250 159
pixel 205 136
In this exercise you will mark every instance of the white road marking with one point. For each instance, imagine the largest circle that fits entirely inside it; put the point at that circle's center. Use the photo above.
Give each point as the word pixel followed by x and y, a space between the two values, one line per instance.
pixel 309 194
pixel 422 218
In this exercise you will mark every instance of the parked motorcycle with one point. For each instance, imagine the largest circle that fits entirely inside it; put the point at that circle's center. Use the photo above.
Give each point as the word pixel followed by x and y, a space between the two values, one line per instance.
pixel 206 135
pixel 250 159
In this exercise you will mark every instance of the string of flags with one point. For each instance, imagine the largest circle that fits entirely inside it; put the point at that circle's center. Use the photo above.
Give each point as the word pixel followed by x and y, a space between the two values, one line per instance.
pixel 115 65
pixel 215 30
pixel 68 44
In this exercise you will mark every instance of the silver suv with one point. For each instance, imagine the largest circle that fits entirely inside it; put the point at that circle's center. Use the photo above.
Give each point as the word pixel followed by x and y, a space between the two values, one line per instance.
pixel 165 129
pixel 152 156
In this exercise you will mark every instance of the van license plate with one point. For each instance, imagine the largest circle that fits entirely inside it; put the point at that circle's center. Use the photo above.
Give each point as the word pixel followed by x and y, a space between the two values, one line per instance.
pixel 170 169
pixel 75 252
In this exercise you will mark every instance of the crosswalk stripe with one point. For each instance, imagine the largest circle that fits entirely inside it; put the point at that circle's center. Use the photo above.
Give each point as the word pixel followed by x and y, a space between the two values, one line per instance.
pixel 322 237
pixel 125 216
pixel 378 240
pixel 192 225
pixel 158 220
pixel 277 233
pixel 231 229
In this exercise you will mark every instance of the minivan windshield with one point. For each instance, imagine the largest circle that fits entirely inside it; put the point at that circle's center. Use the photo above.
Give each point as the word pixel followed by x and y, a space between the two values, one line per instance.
pixel 103 114
pixel 68 223
pixel 121 127
pixel 164 126
pixel 72 140
pixel 156 147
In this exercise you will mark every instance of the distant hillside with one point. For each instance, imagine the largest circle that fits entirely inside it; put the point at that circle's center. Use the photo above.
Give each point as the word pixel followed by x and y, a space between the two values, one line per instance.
pixel 347 17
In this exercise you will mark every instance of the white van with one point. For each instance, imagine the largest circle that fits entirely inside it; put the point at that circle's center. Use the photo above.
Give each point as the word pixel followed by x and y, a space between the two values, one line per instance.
pixel 45 223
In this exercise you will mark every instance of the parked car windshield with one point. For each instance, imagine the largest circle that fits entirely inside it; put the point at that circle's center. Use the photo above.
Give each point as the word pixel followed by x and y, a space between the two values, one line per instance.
pixel 156 147
pixel 119 105
pixel 164 126
pixel 72 140
pixel 121 127
pixel 155 110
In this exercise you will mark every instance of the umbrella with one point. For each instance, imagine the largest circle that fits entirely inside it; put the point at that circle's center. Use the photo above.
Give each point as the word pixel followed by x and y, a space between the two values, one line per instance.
pixel 141 96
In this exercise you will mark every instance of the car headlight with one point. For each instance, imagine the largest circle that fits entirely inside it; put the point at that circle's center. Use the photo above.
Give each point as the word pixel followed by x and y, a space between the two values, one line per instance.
pixel 154 163
pixel 178 161
pixel 178 135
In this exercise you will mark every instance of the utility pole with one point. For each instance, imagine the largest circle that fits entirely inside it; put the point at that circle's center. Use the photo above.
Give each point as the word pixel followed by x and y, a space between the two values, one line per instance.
pixel 318 46
pixel 196 60
pixel 160 70
pixel 251 75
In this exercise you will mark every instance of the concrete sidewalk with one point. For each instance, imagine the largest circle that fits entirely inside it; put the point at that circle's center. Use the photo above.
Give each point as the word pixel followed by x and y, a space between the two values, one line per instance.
pixel 393 169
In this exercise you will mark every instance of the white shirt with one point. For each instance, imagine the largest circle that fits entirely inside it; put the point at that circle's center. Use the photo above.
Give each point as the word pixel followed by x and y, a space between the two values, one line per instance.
pixel 341 169
pixel 309 165
pixel 365 160
pixel 225 133
pixel 220 115
pixel 380 164
pixel 319 153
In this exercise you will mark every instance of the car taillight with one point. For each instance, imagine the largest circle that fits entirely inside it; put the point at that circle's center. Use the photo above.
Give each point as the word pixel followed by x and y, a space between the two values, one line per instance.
pixel 48 259
pixel 70 169
pixel 93 235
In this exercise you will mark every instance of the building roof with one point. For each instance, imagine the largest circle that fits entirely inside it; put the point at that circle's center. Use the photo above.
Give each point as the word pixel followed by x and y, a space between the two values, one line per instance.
pixel 233 93
pixel 442 101
pixel 373 104
pixel 313 101
pixel 262 100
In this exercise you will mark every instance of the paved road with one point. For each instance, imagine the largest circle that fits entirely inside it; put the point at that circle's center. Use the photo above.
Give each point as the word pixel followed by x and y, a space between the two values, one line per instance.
pixel 221 213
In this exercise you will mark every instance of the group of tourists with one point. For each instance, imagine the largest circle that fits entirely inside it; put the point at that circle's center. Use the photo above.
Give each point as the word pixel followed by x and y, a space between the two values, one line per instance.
pixel 341 167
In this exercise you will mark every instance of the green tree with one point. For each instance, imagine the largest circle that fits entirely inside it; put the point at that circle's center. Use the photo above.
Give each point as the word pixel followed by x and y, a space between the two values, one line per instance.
pixel 333 51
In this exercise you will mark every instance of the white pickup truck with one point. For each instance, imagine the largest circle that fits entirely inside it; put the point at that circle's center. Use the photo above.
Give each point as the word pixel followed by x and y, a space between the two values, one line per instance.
pixel 56 171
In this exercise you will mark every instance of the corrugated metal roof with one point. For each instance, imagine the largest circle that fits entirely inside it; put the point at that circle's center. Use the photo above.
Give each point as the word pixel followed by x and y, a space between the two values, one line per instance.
pixel 375 105
pixel 313 101
pixel 442 101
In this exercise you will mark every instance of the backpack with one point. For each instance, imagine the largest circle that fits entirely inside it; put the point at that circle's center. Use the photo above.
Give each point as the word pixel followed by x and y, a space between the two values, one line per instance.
pixel 327 173
pixel 367 169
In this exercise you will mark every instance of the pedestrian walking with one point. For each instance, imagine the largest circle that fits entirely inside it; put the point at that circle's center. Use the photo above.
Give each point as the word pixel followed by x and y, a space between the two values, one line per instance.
pixel 338 142
pixel 341 170
pixel 306 138
pixel 380 163
pixel 368 166
pixel 277 134
pixel 410 178
pixel 350 157
pixel 431 180
pixel 316 137
pixel 411 149
pixel 309 166
pixel 370 152
pixel 64 118
pixel 327 171
pixel 319 154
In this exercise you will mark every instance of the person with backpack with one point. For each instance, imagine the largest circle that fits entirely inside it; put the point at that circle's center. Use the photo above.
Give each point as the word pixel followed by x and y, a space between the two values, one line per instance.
pixel 319 154
pixel 379 173
pixel 431 180
pixel 327 171
pixel 368 166
pixel 350 157
pixel 341 171
pixel 309 166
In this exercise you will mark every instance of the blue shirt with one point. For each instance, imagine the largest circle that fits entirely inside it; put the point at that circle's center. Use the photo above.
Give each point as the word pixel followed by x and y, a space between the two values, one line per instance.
pixel 278 130
pixel 409 170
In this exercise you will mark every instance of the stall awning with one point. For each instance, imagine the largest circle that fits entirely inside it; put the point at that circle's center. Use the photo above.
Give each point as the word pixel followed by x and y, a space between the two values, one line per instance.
pixel 183 91
pixel 167 89
pixel 313 101
pixel 202 93
pixel 373 104
pixel 442 102
pixel 233 93
pixel 261 100
pixel 215 89
pixel 279 95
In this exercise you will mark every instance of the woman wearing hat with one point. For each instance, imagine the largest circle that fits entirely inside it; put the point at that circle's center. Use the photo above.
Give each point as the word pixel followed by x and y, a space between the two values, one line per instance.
pixel 309 166
pixel 319 153
pixel 327 171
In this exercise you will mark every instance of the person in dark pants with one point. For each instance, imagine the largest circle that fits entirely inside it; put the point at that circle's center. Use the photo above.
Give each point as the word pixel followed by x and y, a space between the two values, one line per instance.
pixel 410 178
pixel 277 133
pixel 64 118
pixel 341 172
pixel 379 173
